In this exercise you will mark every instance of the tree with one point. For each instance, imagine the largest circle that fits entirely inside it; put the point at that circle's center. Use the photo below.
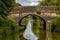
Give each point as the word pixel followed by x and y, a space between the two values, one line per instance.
pixel 51 3
pixel 16 4
pixel 55 25
pixel 5 6
pixel 8 29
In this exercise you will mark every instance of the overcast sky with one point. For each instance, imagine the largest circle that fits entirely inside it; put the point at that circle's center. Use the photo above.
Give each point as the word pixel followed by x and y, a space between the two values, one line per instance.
pixel 28 2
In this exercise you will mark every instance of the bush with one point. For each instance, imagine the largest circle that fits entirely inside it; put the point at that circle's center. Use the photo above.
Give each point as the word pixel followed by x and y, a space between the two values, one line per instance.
pixel 55 25
pixel 7 28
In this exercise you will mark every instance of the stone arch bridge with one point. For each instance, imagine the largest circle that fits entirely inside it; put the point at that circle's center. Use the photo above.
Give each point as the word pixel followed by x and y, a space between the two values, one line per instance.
pixel 45 12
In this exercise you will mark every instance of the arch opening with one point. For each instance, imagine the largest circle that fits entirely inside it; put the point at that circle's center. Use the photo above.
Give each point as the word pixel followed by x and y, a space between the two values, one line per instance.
pixel 20 22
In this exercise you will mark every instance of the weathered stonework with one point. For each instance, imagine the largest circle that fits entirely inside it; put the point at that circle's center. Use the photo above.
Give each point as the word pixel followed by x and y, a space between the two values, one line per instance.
pixel 48 11
pixel 44 9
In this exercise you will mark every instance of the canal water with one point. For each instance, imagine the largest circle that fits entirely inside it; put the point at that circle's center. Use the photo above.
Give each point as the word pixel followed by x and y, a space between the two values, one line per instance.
pixel 28 34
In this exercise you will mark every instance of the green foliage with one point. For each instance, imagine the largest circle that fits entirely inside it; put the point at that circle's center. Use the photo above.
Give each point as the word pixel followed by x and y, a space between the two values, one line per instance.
pixel 7 28
pixel 38 27
pixel 51 3
pixel 6 6
pixel 55 25
pixel 16 4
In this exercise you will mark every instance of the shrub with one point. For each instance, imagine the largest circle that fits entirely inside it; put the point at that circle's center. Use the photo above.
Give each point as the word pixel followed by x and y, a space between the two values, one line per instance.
pixel 55 25
pixel 7 28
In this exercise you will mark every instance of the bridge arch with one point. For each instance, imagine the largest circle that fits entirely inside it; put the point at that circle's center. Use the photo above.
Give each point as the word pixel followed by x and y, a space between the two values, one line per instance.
pixel 20 21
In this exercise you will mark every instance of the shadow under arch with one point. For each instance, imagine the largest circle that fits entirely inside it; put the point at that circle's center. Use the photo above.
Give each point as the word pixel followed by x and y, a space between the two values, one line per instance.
pixel 32 15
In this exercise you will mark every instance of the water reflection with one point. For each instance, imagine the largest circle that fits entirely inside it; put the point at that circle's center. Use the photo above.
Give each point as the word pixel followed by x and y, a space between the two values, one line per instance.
pixel 28 34
pixel 55 36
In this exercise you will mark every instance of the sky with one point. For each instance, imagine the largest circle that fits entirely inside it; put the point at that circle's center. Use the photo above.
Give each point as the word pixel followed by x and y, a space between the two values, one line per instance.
pixel 28 2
